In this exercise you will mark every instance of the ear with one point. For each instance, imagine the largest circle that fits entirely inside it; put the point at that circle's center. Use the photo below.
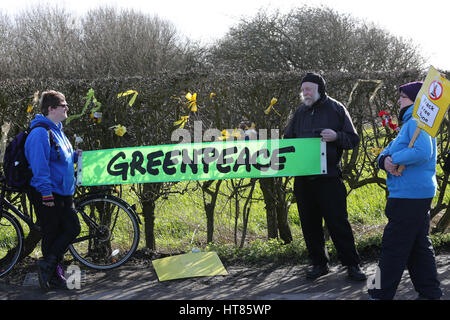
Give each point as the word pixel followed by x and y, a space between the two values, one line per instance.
pixel 49 110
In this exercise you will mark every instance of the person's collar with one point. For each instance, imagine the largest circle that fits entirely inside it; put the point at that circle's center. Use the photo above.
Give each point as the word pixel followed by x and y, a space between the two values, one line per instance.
pixel 402 113
pixel 319 102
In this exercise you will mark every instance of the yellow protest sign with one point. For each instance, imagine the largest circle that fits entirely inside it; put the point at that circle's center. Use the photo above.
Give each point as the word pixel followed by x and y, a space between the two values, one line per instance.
pixel 188 265
pixel 432 102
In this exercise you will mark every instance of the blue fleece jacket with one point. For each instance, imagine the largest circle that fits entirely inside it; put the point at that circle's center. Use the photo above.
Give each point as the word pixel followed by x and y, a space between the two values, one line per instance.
pixel 51 174
pixel 418 180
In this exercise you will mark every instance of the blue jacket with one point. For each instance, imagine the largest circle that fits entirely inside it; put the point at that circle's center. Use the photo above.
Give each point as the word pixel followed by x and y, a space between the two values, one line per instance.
pixel 418 179
pixel 50 172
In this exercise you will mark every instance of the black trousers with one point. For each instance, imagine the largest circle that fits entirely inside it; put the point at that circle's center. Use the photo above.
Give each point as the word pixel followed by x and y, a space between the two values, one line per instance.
pixel 59 224
pixel 406 244
pixel 325 198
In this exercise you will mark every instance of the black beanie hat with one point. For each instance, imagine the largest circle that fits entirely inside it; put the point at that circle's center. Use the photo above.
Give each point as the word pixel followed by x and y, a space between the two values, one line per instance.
pixel 317 79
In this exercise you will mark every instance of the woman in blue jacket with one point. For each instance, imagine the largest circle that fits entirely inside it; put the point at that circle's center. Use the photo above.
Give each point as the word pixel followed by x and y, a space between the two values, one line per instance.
pixel 51 158
pixel 406 243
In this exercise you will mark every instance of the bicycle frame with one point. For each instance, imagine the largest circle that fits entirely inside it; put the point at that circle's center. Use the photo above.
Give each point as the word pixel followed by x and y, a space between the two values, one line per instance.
pixel 88 221
pixel 93 224
pixel 5 204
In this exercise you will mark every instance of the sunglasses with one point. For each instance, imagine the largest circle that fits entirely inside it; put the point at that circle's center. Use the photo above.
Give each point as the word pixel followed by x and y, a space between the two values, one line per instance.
pixel 61 105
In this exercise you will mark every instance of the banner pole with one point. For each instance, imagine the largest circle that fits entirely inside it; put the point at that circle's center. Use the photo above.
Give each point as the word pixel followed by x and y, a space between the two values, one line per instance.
pixel 411 144
pixel 79 181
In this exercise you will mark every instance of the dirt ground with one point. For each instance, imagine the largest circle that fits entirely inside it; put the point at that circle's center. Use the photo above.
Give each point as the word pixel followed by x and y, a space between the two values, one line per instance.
pixel 137 280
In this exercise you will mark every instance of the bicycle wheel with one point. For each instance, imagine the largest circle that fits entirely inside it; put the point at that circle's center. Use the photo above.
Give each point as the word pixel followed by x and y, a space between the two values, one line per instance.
pixel 11 242
pixel 109 232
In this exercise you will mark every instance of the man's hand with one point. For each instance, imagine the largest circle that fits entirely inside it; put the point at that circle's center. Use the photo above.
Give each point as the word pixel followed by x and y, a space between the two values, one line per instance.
pixel 328 135
pixel 391 167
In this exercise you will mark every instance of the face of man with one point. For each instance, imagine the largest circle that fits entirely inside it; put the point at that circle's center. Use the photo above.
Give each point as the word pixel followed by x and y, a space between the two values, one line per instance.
pixel 310 93
pixel 59 113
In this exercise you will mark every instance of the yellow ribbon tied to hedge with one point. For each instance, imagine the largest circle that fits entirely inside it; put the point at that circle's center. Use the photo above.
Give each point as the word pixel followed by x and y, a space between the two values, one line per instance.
pixel 181 122
pixel 272 103
pixel 126 93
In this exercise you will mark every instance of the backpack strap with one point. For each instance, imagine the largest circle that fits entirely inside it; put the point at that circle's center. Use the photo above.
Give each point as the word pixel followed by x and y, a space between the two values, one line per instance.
pixel 50 134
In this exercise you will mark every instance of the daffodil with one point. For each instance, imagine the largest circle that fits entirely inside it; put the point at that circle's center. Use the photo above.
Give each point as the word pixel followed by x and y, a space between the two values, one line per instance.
pixel 376 151
pixel 272 102
pixel 192 104
pixel 212 95
pixel 226 135
pixel 29 108
pixel 181 122
pixel 119 130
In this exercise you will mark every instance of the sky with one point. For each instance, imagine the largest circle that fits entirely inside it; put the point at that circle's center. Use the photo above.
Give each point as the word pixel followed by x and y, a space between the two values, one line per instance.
pixel 423 22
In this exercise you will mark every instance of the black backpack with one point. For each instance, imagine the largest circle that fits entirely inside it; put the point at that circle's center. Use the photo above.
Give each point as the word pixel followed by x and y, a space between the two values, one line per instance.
pixel 15 165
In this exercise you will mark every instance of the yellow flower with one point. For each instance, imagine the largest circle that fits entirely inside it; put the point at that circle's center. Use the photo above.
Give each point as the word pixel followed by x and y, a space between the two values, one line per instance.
pixel 376 151
pixel 226 135
pixel 192 98
pixel 120 130
pixel 181 122
pixel 212 95
pixel 272 102
pixel 29 108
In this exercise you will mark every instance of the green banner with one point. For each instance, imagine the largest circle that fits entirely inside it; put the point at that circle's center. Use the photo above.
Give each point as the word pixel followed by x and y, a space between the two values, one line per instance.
pixel 203 161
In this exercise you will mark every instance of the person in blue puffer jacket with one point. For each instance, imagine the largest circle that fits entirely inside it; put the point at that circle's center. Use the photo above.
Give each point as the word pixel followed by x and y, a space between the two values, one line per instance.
pixel 406 242
pixel 51 158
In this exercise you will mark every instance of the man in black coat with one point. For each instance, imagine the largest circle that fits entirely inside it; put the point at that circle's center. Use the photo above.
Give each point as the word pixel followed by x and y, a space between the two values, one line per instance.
pixel 325 196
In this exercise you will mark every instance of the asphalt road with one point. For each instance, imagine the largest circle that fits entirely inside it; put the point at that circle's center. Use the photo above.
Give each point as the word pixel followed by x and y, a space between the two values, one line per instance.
pixel 242 283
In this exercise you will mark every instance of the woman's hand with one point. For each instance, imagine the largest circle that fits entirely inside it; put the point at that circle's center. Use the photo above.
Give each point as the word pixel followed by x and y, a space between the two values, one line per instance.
pixel 391 167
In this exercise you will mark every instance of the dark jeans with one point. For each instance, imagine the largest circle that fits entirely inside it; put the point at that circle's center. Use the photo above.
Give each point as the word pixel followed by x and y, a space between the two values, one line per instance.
pixel 406 244
pixel 325 198
pixel 59 224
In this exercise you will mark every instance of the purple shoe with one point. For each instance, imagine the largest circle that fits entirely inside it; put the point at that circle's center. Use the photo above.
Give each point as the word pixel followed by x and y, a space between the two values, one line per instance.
pixel 60 272
pixel 58 281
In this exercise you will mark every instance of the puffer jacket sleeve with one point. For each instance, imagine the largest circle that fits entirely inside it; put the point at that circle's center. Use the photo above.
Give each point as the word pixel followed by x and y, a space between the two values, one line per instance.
pixel 421 151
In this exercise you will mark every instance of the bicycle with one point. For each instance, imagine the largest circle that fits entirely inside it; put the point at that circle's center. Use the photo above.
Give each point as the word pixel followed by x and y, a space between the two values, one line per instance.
pixel 109 231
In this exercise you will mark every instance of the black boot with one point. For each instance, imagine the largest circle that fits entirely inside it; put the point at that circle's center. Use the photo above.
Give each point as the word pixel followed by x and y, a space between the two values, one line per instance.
pixel 355 273
pixel 46 269
pixel 57 280
pixel 317 271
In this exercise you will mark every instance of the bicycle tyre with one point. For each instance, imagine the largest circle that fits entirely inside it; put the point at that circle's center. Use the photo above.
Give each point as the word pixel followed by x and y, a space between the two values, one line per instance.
pixel 106 249
pixel 10 229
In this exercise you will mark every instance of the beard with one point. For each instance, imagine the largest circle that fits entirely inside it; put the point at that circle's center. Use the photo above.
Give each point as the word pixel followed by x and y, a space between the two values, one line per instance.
pixel 309 101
